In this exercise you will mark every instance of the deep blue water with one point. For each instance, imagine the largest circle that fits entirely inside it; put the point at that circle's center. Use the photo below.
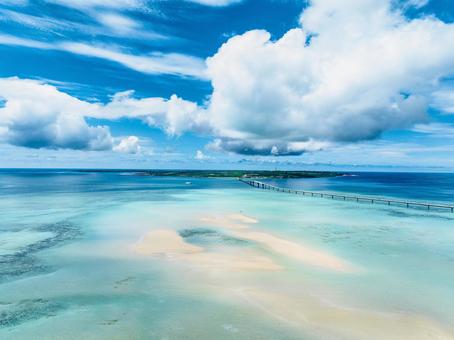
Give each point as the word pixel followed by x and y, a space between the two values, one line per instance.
pixel 32 181
pixel 417 186
pixel 436 187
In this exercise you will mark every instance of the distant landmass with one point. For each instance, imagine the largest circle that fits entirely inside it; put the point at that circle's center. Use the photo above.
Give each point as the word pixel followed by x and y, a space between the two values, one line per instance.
pixel 226 173
pixel 241 173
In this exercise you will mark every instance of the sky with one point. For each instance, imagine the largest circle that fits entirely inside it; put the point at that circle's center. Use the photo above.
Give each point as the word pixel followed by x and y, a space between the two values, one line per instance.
pixel 227 84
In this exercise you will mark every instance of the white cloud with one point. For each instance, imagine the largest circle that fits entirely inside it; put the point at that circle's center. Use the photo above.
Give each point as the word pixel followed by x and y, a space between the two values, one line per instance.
pixel 183 115
pixel 413 3
pixel 266 147
pixel 43 23
pixel 111 4
pixel 215 2
pixel 118 22
pixel 175 115
pixel 128 145
pixel 6 39
pixel 352 71
pixel 130 4
pixel 200 156
pixel 110 24
pixel 435 130
pixel 154 63
pixel 444 100
pixel 36 115
pixel 123 104
pixel 406 154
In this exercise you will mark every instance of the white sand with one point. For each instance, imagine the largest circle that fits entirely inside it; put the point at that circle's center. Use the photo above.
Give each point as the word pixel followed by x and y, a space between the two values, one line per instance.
pixel 307 255
pixel 239 226
pixel 170 244
pixel 164 242
pixel 242 218
pixel 241 261
pixel 283 300
pixel 337 322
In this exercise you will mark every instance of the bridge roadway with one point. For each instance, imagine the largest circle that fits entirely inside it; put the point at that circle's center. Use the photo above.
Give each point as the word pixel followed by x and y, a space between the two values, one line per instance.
pixel 383 200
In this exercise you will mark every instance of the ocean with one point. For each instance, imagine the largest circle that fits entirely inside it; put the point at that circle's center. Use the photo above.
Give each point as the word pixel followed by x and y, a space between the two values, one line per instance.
pixel 118 255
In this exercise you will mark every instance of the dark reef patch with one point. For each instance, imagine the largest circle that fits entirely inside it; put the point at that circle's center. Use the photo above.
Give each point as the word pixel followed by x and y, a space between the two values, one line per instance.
pixel 398 213
pixel 206 236
pixel 413 213
pixel 26 310
pixel 24 262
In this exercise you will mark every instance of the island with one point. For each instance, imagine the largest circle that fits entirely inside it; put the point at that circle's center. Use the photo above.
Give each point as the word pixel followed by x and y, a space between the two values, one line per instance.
pixel 243 173
pixel 263 174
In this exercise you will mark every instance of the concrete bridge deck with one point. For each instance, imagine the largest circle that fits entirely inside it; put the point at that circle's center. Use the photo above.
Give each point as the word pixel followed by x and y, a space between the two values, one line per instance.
pixel 383 200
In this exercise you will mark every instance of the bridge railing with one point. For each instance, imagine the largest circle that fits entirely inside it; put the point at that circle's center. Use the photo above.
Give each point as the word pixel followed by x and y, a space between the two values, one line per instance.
pixel 383 200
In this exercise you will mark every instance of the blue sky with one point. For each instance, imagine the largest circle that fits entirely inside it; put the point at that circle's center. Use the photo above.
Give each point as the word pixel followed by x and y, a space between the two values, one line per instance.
pixel 288 84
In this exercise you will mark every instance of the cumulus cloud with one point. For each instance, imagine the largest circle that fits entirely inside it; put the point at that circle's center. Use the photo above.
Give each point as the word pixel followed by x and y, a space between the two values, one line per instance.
pixel 128 145
pixel 174 115
pixel 36 115
pixel 265 147
pixel 351 71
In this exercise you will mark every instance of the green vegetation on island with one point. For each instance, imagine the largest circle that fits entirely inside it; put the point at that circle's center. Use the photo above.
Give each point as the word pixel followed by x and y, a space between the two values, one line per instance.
pixel 222 173
pixel 241 173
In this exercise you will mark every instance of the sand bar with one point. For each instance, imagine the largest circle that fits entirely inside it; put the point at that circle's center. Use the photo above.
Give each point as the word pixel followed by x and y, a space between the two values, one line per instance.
pixel 170 244
pixel 330 321
pixel 238 225
pixel 296 251
pixel 164 242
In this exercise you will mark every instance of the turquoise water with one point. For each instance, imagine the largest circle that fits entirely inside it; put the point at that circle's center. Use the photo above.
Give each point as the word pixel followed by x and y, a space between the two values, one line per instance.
pixel 78 260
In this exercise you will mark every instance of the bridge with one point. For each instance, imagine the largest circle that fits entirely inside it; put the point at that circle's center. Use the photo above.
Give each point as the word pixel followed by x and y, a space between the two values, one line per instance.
pixel 338 196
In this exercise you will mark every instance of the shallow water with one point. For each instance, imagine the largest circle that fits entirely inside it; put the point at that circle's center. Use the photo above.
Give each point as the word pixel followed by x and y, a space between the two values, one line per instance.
pixel 79 258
